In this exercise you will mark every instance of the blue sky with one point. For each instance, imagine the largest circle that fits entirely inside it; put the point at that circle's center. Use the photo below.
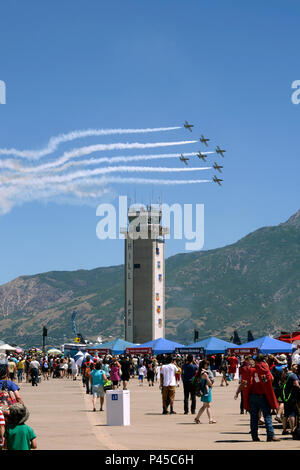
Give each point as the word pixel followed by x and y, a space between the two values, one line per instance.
pixel 227 67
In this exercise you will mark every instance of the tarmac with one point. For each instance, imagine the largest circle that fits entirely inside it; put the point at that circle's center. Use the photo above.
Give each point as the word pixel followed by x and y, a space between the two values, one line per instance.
pixel 62 418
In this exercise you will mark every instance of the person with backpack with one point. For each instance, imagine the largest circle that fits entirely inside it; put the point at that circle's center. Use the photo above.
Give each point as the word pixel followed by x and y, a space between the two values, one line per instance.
pixel 289 393
pixel 7 385
pixel 278 372
pixel 86 368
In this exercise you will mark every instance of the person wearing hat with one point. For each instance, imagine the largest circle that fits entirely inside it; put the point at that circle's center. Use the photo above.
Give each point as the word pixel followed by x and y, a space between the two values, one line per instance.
pixel 18 435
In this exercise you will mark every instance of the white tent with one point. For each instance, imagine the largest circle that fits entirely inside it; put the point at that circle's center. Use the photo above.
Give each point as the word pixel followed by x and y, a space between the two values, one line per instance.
pixel 7 347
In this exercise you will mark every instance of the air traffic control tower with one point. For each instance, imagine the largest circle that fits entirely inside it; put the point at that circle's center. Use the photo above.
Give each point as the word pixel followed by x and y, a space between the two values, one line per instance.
pixel 144 275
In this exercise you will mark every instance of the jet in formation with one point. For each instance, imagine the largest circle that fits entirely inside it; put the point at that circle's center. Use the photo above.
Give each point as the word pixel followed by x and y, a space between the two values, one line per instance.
pixel 183 159
pixel 220 151
pixel 217 180
pixel 204 140
pixel 202 156
pixel 217 167
pixel 188 126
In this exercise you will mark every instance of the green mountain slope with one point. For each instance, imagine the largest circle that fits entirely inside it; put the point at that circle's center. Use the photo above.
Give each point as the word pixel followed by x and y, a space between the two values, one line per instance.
pixel 252 284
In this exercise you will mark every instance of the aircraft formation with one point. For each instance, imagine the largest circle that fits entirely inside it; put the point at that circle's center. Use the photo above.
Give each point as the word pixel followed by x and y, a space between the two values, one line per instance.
pixel 203 156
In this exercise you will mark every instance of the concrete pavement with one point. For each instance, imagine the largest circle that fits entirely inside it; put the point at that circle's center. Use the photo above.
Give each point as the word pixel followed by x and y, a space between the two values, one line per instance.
pixel 62 417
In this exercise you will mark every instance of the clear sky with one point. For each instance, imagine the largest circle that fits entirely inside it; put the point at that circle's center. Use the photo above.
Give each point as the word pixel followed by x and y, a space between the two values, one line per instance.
pixel 225 66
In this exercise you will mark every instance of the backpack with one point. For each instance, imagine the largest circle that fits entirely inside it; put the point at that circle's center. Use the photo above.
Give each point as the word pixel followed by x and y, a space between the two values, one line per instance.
pixel 198 387
pixel 6 399
pixel 87 370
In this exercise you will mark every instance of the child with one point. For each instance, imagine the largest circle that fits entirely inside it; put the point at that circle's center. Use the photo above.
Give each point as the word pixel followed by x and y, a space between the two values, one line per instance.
pixel 19 436
pixel 142 373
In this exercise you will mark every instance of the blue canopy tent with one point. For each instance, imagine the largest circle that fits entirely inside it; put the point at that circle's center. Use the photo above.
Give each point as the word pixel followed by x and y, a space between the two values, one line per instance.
pixel 213 345
pixel 269 345
pixel 117 346
pixel 161 346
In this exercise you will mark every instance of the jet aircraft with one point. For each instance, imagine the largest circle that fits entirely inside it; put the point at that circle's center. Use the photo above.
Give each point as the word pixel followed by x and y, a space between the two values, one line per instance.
pixel 202 156
pixel 188 126
pixel 204 140
pixel 217 167
pixel 183 159
pixel 220 151
pixel 217 180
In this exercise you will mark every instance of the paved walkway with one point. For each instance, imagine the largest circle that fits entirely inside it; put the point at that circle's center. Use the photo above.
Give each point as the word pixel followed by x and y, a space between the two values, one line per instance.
pixel 62 417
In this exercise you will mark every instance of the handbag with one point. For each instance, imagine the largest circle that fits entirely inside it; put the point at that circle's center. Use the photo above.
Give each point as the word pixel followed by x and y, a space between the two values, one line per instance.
pixel 107 385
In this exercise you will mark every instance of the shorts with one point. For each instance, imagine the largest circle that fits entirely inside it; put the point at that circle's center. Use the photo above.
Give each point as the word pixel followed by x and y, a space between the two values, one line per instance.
pixel 115 382
pixel 98 391
pixel 289 410
pixel 141 377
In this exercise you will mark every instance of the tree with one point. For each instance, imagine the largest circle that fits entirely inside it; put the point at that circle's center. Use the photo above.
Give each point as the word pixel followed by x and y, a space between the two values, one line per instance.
pixel 236 338
pixel 250 337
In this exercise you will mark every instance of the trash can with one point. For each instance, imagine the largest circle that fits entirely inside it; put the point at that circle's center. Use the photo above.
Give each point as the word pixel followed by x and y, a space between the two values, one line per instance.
pixel 118 408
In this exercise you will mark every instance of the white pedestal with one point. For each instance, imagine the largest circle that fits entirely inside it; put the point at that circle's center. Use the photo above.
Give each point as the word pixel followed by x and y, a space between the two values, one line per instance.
pixel 118 408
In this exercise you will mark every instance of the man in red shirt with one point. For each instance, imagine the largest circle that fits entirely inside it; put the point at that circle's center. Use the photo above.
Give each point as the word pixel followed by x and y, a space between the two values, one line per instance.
pixel 259 395
pixel 233 364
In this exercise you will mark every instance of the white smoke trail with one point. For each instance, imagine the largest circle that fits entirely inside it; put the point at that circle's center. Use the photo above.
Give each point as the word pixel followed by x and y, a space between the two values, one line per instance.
pixel 44 180
pixel 54 142
pixel 13 165
pixel 79 190
pixel 121 159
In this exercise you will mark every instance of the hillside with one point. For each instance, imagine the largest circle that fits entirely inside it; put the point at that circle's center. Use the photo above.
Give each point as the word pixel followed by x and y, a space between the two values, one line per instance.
pixel 252 284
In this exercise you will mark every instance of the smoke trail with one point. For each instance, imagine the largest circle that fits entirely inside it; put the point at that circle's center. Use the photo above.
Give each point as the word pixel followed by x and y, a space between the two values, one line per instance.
pixel 54 142
pixel 79 191
pixel 87 150
pixel 40 181
pixel 12 165
pixel 120 159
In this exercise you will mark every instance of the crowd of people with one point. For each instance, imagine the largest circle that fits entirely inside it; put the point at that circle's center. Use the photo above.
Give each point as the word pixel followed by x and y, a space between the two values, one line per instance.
pixel 268 385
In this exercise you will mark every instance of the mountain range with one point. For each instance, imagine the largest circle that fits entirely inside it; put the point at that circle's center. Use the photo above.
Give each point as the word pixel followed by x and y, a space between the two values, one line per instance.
pixel 253 284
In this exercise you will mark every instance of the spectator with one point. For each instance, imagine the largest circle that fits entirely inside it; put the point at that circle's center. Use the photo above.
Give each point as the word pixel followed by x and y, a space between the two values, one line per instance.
pixel 168 385
pixel 223 368
pixel 125 369
pixel 13 388
pixel 150 374
pixel 142 371
pixel 189 370
pixel 87 367
pixel 97 380
pixel 206 397
pixel 12 368
pixel 290 390
pixel 34 368
pixel 259 395
pixel 20 369
pixel 115 373
pixel 19 436
pixel 233 365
